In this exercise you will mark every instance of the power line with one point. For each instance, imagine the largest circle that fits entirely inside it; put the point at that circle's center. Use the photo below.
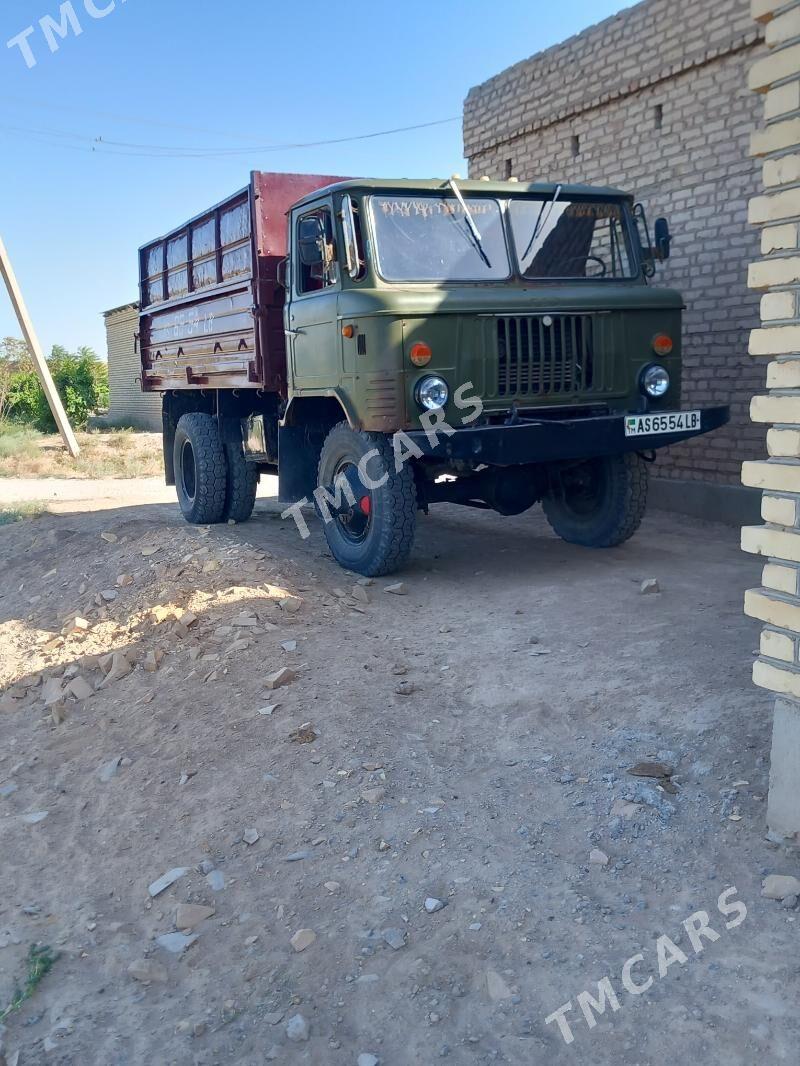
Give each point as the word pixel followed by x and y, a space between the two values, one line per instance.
pixel 112 147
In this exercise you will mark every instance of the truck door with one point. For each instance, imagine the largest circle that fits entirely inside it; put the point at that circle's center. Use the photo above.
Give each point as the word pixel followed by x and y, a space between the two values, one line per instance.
pixel 313 339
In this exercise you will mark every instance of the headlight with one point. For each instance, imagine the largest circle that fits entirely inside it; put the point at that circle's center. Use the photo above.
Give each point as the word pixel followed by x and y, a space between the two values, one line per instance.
pixel 431 393
pixel 655 381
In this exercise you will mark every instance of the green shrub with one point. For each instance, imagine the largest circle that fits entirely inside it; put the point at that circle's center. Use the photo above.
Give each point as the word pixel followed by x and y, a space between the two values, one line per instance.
pixel 82 383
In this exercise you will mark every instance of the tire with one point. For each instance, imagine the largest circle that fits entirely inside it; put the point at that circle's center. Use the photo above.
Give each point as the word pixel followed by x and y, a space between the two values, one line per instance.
pixel 377 541
pixel 240 494
pixel 200 469
pixel 600 503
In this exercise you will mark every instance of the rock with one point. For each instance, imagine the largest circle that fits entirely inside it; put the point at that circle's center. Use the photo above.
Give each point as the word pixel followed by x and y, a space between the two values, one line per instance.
pixel 397 589
pixel 359 593
pixel 404 688
pixel 152 660
pixel 304 735
pixel 189 915
pixel 268 709
pixel 109 538
pixel 250 836
pixel 297 856
pixel 366 1059
pixel 373 795
pixel 651 769
pixel 289 645
pixel 34 817
pixel 210 566
pixel 109 595
pixel 297 1028
pixel 8 790
pixel 147 971
pixel 395 938
pixel 303 939
pixel 291 604
pixel 149 550
pixel 109 769
pixel 496 987
pixel 598 857
pixel 167 879
pixel 281 677
pixel 120 667
pixel 332 886
pixel 215 879
pixel 649 586
pixel 124 580
pixel 779 886
pixel 176 943
pixel 789 902
pixel 52 691
pixel 76 624
pixel 80 688
pixel 432 905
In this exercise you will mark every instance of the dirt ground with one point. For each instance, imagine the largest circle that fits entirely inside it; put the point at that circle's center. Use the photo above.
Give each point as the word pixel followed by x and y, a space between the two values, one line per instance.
pixel 466 743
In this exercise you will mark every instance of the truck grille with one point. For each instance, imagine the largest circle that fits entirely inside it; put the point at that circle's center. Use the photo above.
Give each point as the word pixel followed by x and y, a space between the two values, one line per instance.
pixel 536 359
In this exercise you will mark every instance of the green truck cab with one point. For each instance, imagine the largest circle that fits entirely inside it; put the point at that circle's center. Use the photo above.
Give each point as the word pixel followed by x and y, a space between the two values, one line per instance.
pixel 493 344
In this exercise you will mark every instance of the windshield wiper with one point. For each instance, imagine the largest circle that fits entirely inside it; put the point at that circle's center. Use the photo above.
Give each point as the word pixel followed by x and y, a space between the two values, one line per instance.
pixel 541 222
pixel 473 229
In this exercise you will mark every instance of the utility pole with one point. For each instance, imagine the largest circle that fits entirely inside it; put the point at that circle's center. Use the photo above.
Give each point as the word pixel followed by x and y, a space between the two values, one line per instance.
pixel 39 361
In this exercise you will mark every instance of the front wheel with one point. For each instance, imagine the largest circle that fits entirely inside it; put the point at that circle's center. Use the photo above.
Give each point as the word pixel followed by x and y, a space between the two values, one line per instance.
pixel 599 503
pixel 369 522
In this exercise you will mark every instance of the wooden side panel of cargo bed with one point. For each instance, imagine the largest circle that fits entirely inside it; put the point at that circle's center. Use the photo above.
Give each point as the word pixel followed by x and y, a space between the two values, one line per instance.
pixel 208 343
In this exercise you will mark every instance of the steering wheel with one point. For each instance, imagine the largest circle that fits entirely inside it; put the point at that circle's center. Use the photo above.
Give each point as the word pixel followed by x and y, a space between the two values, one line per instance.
pixel 586 259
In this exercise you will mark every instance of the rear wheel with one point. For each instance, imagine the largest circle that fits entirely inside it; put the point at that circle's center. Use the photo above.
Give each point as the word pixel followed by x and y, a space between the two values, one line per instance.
pixel 375 534
pixel 599 503
pixel 200 468
pixel 240 495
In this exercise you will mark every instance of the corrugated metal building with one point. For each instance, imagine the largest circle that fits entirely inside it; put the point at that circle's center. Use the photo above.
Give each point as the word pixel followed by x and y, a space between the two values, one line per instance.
pixel 128 405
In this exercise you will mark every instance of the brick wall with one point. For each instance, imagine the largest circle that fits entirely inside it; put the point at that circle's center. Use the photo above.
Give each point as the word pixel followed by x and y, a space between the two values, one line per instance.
pixel 775 277
pixel 658 99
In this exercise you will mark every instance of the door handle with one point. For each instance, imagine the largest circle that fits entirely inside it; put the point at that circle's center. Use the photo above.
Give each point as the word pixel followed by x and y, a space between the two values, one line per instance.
pixel 294 332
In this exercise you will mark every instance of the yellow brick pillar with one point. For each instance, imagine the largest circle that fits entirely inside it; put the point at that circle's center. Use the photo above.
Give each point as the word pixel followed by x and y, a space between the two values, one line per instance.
pixel 777 275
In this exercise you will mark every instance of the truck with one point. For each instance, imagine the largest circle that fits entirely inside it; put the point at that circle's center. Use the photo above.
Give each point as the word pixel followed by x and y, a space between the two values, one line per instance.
pixel 384 345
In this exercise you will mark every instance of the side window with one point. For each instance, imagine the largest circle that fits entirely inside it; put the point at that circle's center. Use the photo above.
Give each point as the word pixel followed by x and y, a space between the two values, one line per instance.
pixel 317 266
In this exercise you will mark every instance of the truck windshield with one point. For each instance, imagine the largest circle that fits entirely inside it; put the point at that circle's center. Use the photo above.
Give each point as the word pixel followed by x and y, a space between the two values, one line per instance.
pixel 427 238
pixel 560 238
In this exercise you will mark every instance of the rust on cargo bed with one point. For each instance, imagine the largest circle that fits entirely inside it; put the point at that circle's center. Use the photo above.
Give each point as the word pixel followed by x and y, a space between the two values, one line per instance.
pixel 211 306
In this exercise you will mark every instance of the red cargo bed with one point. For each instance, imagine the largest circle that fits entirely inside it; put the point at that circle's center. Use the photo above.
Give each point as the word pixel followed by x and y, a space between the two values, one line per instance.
pixel 211 307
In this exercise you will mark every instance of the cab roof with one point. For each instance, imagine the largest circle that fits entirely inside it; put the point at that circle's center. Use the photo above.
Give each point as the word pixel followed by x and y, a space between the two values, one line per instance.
pixel 471 186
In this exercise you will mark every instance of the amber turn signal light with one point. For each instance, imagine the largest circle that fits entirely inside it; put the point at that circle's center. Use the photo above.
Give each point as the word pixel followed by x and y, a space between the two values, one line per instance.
pixel 420 354
pixel 662 344
pixel 348 331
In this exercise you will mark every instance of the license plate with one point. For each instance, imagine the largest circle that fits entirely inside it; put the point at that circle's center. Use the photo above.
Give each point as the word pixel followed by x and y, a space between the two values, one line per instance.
pixel 671 422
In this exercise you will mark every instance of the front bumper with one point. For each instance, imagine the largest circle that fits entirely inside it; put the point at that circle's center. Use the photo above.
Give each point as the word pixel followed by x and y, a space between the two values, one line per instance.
pixel 548 440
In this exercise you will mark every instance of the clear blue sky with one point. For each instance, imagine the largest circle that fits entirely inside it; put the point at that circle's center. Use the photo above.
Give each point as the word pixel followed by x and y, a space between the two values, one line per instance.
pixel 221 75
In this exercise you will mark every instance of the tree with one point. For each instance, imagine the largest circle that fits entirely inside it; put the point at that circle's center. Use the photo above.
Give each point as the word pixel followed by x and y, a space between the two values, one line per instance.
pixel 15 357
pixel 80 377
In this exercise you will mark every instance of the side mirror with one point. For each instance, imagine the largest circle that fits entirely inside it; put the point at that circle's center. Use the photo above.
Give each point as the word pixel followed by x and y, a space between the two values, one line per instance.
pixel 310 240
pixel 663 238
